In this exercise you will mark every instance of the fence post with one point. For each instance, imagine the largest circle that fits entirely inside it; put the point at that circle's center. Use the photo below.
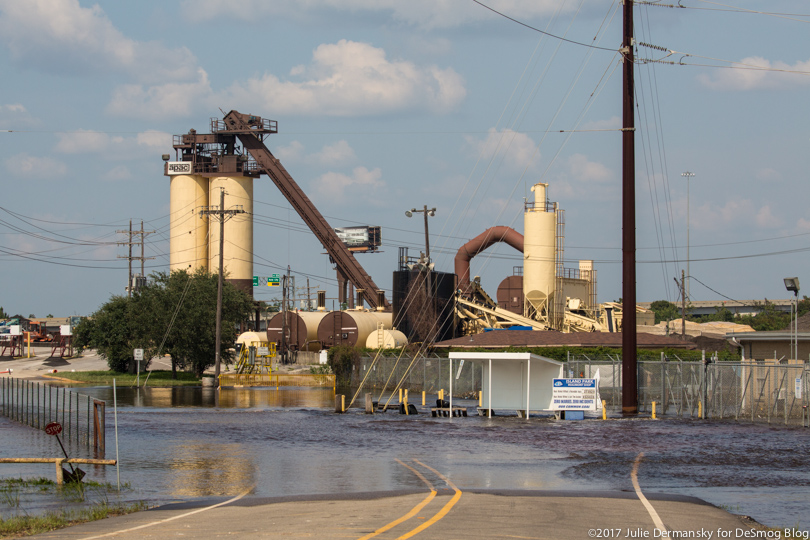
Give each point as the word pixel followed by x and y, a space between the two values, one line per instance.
pixel 99 427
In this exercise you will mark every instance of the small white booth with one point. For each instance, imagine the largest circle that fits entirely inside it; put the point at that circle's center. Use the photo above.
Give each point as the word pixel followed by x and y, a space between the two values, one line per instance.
pixel 514 381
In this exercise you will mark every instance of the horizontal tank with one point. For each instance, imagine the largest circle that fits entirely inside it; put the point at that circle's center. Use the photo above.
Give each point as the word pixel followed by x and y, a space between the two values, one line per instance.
pixel 302 329
pixel 386 339
pixel 351 327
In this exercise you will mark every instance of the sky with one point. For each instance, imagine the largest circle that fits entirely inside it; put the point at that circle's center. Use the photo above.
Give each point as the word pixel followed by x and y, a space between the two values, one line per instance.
pixel 383 106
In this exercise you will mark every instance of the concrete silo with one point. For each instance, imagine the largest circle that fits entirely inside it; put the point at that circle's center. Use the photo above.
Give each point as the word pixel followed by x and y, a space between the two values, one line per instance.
pixel 238 250
pixel 188 233
pixel 539 253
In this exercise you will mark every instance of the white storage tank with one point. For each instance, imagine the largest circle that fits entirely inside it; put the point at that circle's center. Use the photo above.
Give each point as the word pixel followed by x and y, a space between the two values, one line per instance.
pixel 386 339
pixel 539 251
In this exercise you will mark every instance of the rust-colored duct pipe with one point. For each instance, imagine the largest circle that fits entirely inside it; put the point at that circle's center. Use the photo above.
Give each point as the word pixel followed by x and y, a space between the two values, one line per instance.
pixel 478 244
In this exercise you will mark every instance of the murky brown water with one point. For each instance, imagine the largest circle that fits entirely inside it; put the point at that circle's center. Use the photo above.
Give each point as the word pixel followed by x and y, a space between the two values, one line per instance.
pixel 183 443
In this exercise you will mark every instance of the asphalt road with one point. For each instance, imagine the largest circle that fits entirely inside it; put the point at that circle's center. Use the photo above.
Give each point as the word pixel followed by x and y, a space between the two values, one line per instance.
pixel 449 514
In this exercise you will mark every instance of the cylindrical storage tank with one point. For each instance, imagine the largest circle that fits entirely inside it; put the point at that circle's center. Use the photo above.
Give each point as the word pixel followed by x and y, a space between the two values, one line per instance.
pixel 539 241
pixel 301 329
pixel 387 339
pixel 251 337
pixel 510 294
pixel 188 244
pixel 351 327
pixel 238 252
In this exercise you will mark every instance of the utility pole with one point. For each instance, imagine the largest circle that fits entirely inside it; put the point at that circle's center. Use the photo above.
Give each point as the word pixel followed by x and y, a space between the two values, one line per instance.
pixel 130 258
pixel 222 216
pixel 688 175
pixel 683 306
pixel 629 339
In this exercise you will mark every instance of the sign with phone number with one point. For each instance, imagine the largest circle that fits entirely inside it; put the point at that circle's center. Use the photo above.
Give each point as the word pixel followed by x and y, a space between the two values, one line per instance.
pixel 574 395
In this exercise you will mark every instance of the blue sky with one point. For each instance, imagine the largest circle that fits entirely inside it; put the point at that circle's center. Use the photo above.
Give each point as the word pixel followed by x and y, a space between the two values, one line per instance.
pixel 383 106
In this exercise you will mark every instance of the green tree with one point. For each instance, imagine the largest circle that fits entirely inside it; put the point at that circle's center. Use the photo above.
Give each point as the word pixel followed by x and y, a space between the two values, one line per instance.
pixel 3 314
pixel 768 319
pixel 664 311
pixel 340 359
pixel 172 314
pixel 110 331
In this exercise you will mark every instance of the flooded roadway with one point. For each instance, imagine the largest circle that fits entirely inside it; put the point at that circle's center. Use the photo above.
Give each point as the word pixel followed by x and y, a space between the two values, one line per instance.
pixel 185 443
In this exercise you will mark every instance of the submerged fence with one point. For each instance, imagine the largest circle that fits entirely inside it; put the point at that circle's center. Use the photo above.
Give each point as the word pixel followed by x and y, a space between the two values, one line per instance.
pixel 755 391
pixel 35 404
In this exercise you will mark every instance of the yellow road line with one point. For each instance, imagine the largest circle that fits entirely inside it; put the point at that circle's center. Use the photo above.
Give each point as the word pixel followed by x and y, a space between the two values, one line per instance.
pixel 650 510
pixel 441 513
pixel 416 509
pixel 248 490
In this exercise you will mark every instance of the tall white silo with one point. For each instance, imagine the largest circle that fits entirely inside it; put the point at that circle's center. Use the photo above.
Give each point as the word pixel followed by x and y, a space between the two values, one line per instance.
pixel 539 261
pixel 238 250
pixel 188 244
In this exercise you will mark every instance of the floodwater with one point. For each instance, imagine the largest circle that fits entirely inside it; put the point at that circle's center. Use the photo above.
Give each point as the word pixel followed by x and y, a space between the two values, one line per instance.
pixel 185 443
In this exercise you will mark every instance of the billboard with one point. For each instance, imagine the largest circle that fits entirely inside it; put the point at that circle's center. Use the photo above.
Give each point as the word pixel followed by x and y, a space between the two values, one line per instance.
pixel 366 238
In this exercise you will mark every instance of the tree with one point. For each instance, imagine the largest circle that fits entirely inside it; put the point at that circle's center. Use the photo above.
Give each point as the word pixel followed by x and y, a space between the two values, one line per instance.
pixel 110 331
pixel 3 314
pixel 769 318
pixel 664 311
pixel 172 314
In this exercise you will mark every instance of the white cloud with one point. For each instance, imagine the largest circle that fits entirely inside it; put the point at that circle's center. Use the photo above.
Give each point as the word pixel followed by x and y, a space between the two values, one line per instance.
pixel 82 141
pixel 62 36
pixel 587 171
pixel 349 78
pixel 176 99
pixel 516 151
pixel 745 78
pixel 35 166
pixel 116 146
pixel 15 116
pixel 768 175
pixel 803 224
pixel 117 174
pixel 336 154
pixel 290 153
pixel 765 218
pixel 421 13
pixel 338 187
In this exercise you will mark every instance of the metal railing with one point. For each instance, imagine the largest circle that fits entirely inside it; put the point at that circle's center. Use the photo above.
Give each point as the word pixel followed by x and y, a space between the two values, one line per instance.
pixel 426 375
pixel 36 405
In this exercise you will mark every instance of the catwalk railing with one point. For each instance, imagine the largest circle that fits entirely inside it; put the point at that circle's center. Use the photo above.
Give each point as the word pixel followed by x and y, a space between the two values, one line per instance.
pixel 36 405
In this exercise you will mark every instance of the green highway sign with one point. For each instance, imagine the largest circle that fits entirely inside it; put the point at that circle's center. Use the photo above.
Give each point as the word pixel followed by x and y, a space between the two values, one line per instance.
pixel 255 281
pixel 274 280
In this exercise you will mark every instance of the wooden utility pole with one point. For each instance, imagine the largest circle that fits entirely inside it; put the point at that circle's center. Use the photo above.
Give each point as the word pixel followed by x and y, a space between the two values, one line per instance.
pixel 130 258
pixel 222 216
pixel 683 306
pixel 629 340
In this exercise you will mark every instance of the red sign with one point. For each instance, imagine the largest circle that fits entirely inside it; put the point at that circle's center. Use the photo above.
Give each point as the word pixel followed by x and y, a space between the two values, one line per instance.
pixel 54 428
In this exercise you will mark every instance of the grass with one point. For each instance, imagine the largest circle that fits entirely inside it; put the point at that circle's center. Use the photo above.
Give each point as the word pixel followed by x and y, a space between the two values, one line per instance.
pixel 105 378
pixel 24 524
pixel 16 526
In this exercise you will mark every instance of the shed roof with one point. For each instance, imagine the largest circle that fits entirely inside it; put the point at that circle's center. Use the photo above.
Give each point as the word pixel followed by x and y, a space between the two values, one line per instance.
pixel 537 338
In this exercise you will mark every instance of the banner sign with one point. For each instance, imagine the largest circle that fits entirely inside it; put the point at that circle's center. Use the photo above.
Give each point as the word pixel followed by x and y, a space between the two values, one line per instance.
pixel 574 394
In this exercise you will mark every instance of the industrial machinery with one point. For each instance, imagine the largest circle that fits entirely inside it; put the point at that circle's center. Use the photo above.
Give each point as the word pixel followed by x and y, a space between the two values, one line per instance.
pixel 542 294
pixel 217 156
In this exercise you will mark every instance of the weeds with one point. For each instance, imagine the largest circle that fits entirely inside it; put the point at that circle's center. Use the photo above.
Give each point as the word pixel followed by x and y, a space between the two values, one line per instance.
pixel 25 525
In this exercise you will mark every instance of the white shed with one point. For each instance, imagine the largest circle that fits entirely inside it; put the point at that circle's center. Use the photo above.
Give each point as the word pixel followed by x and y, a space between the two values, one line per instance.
pixel 514 381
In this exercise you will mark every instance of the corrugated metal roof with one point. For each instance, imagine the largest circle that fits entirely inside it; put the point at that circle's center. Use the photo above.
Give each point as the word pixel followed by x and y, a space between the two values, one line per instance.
pixel 535 338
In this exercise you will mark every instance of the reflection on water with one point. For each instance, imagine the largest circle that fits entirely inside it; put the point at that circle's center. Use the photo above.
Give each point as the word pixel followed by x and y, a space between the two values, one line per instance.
pixel 177 443
pixel 229 398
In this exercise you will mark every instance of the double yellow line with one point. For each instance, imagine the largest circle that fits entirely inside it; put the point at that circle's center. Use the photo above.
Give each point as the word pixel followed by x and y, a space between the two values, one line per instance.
pixel 416 509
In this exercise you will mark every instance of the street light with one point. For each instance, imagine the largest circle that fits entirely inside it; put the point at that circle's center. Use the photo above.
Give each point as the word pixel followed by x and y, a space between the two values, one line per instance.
pixel 428 212
pixel 792 285
pixel 688 175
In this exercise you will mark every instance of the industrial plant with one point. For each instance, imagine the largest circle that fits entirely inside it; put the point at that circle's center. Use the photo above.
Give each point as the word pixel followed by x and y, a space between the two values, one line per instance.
pixel 211 190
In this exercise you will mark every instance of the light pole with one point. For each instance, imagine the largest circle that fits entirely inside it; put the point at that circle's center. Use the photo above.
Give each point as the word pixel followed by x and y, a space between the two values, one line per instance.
pixel 688 175
pixel 428 212
pixel 792 285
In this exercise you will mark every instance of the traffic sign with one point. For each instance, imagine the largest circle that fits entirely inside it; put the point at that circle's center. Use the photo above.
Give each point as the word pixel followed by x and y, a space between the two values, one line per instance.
pixel 274 280
pixel 255 281
pixel 138 354
pixel 54 428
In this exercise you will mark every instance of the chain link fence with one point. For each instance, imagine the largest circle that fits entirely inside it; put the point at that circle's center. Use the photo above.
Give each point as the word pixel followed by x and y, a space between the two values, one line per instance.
pixel 751 391
pixel 37 405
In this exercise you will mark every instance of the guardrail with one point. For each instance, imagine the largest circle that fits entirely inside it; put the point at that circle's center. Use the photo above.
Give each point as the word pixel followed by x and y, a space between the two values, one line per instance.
pixel 277 379
pixel 60 478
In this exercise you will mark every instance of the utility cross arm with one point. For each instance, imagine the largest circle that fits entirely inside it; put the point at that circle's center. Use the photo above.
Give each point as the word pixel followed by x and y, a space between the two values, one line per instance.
pixel 251 139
